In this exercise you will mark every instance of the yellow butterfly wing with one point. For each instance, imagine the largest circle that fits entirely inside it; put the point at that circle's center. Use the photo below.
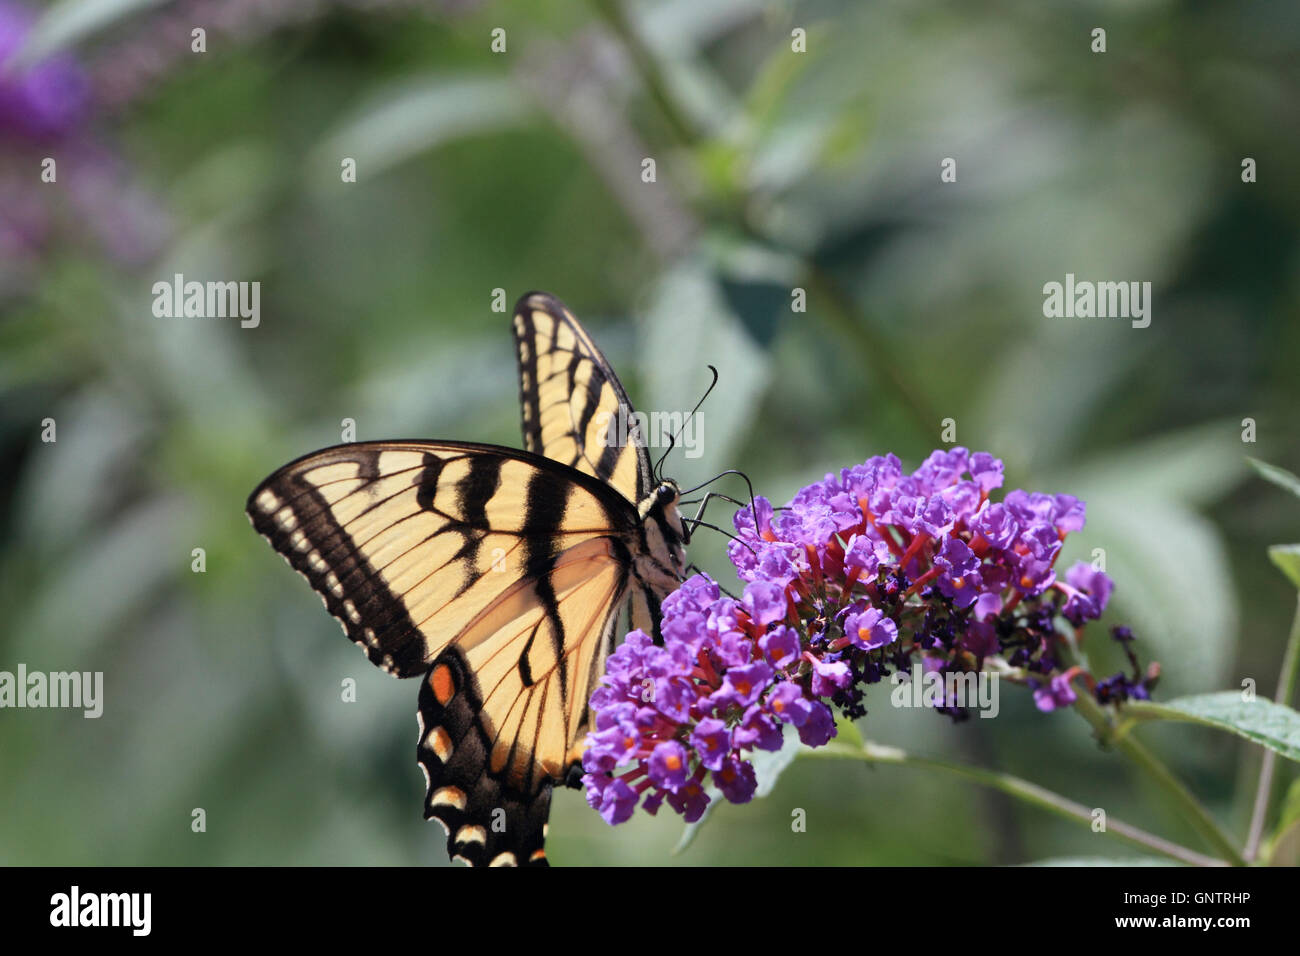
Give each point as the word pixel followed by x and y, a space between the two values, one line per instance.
pixel 498 575
pixel 574 408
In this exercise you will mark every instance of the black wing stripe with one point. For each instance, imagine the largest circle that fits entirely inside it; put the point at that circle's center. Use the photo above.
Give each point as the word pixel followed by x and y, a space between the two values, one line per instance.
pixel 393 643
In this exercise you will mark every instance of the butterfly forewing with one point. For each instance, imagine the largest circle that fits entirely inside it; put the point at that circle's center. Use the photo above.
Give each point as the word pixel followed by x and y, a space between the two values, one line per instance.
pixel 574 408
pixel 408 541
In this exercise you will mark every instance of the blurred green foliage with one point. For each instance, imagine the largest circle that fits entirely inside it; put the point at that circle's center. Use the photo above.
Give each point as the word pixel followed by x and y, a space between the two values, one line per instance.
pixel 479 171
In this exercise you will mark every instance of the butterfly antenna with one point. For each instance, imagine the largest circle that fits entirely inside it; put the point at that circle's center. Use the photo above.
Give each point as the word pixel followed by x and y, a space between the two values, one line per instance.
pixel 673 441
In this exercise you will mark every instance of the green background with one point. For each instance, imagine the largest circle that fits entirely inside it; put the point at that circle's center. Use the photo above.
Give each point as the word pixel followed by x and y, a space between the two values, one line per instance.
pixel 522 170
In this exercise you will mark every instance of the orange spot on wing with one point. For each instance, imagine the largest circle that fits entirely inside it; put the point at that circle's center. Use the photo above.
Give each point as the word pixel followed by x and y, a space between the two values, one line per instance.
pixel 444 686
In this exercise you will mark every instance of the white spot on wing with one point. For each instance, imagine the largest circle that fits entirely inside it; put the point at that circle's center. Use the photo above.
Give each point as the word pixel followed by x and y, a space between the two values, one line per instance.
pixel 449 797
pixel 471 833
pixel 439 741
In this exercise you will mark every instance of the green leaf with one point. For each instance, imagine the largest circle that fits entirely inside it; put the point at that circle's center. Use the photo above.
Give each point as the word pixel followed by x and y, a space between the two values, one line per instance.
pixel 1169 562
pixel 1192 466
pixel 413 116
pixel 688 316
pixel 1285 849
pixel 1171 571
pixel 1279 476
pixel 1287 557
pixel 768 766
pixel 847 733
pixel 1261 721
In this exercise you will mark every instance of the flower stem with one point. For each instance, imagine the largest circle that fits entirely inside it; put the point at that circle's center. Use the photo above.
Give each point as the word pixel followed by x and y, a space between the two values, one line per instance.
pixel 1021 789
pixel 1285 689
pixel 1188 805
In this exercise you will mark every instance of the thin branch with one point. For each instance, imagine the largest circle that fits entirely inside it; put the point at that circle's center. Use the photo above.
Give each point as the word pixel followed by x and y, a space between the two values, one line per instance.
pixel 1285 690
pixel 1021 789
pixel 1188 805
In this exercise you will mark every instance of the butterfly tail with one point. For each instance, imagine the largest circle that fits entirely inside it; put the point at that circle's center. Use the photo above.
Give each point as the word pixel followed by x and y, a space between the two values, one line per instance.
pixel 487 822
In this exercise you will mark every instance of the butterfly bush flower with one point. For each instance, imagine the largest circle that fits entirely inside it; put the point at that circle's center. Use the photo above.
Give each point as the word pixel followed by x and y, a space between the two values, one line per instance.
pixel 859 576
pixel 48 119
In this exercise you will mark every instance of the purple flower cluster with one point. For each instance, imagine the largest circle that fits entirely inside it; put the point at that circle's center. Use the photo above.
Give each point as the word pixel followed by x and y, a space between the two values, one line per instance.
pixel 723 683
pixel 860 574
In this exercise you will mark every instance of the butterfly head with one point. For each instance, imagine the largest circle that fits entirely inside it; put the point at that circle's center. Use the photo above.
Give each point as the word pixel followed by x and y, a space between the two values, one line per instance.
pixel 667 493
pixel 662 500
pixel 659 510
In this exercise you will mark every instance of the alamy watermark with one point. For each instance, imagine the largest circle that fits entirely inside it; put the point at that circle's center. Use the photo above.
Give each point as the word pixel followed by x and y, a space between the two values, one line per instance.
pixel 75 908
pixel 208 300
pixel 1103 300
pixel 65 689
pixel 654 430
pixel 972 690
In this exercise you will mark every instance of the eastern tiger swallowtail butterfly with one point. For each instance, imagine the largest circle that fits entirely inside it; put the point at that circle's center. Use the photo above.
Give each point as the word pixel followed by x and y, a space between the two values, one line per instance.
pixel 496 575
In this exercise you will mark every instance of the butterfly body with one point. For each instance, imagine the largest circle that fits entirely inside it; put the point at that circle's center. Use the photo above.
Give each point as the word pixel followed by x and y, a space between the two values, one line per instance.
pixel 498 575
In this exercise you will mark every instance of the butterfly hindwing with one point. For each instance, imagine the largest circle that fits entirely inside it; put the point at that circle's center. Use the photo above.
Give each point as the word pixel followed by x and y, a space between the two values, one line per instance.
pixel 502 719
pixel 480 814
pixel 574 408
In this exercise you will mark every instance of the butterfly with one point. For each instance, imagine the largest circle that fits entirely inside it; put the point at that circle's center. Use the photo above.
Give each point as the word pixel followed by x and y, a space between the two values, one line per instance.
pixel 498 576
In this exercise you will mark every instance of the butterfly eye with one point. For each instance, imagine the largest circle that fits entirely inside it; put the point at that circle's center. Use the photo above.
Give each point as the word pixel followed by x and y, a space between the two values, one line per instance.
pixel 666 492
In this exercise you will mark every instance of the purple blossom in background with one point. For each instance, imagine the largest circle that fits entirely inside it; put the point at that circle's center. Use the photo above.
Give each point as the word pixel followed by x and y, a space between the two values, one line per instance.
pixel 47 100
pixel 46 112
pixel 861 574
pixel 1057 692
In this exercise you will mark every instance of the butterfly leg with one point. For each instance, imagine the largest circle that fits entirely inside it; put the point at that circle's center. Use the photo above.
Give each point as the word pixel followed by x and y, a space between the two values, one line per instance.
pixel 699 522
